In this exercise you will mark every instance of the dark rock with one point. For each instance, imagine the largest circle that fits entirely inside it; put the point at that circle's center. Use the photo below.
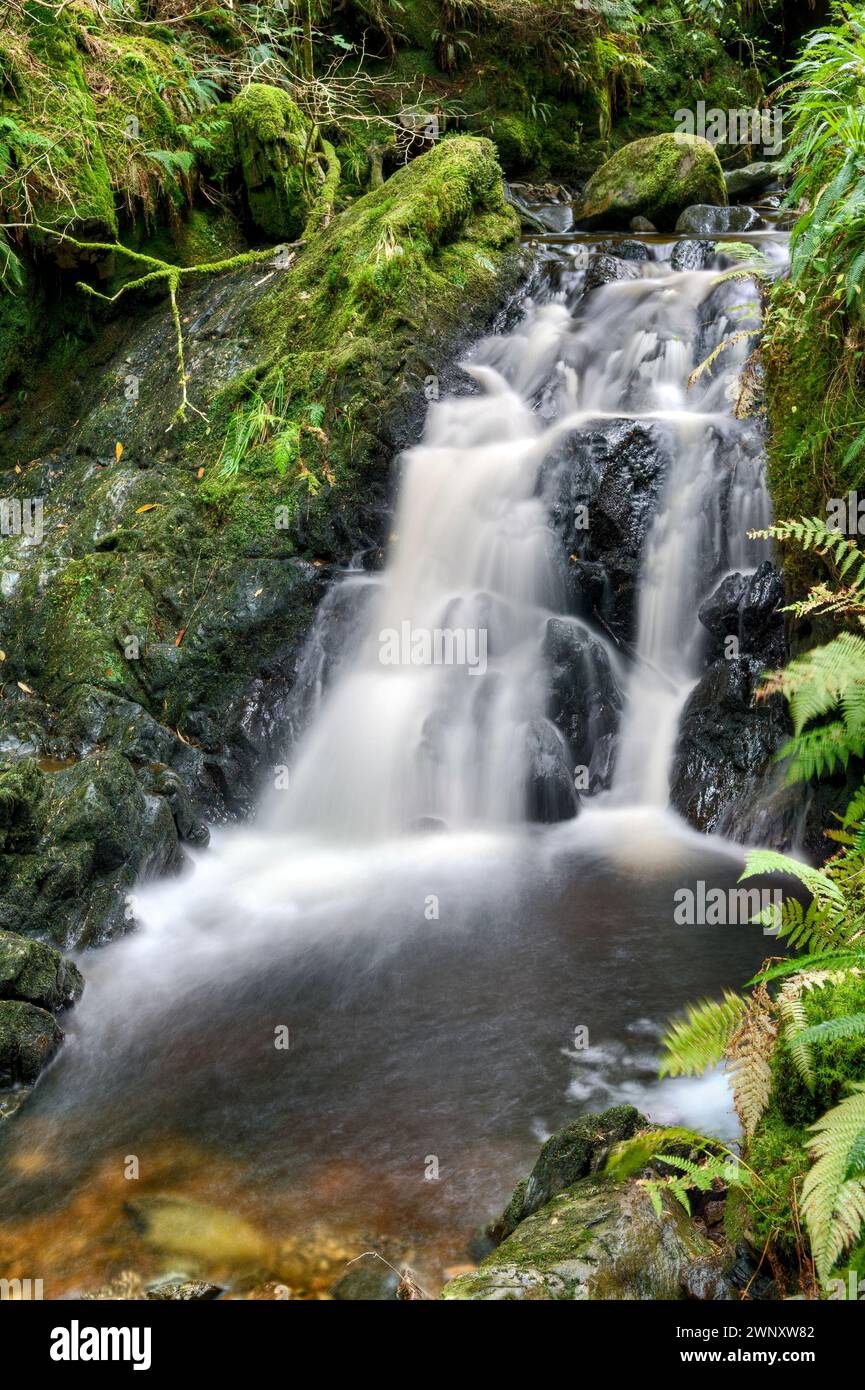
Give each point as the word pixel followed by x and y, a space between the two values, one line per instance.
pixel 568 1155
pixel 747 607
pixel 704 220
pixel 585 702
pixel 642 224
pixel 604 270
pixel 691 255
pixel 29 1037
pixel 371 1283
pixel 753 178
pixel 75 842
pixel 35 973
pixel 632 251
pixel 726 742
pixel 550 792
pixel 616 472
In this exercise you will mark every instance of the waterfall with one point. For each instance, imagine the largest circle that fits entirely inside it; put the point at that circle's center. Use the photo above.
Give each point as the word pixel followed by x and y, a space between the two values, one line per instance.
pixel 443 707
pixel 335 993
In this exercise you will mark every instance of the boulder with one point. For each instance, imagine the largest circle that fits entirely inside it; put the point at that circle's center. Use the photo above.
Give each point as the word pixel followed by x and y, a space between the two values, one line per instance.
pixel 29 1037
pixel 726 744
pixel 599 1240
pixel 550 793
pixel 703 220
pixel 655 178
pixel 35 973
pixel 747 607
pixel 604 270
pixel 691 255
pixel 585 701
pixel 642 224
pixel 572 1153
pixel 754 178
pixel 272 135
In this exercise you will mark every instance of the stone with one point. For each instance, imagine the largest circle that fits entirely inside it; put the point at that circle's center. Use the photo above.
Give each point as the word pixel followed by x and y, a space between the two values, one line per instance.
pixel 655 178
pixel 703 220
pixel 29 1037
pixel 36 973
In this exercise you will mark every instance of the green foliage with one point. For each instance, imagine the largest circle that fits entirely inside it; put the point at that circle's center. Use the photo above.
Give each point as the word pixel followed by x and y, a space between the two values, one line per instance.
pixel 701 1039
pixel 699 1164
pixel 833 1194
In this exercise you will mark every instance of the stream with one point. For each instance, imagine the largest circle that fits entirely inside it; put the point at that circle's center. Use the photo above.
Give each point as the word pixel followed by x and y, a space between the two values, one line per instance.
pixel 448 930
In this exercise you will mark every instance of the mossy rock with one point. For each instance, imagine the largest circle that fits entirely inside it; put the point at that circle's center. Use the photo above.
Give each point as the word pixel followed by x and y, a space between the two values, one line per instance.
pixel 29 1037
pixel 567 1156
pixel 656 178
pixel 272 137
pixel 34 973
pixel 599 1240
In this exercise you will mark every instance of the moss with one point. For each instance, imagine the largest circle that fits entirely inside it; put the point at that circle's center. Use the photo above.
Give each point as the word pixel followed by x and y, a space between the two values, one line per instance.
pixel 272 137
pixel 655 178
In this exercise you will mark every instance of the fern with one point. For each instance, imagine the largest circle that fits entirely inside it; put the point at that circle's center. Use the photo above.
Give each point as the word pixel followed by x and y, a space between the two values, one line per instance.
pixel 701 1039
pixel 833 1194
pixel 749 1053
pixel 834 1029
pixel 795 1026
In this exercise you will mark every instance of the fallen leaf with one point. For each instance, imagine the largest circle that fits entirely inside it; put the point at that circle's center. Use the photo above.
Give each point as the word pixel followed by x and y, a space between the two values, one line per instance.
pixel 118 451
pixel 25 688
pixel 257 592
pixel 18 468
pixel 180 636
pixel 200 473
pixel 2 656
pixel 148 507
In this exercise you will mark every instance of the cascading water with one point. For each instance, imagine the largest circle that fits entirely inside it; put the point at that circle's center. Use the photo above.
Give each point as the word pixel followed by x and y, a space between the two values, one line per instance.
pixel 431 982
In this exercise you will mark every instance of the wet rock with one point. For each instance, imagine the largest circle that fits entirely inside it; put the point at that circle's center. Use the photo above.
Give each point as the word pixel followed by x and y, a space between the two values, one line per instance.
pixel 704 220
pixel 184 1291
pixel 372 1283
pixel 75 842
pixel 599 1240
pixel 642 224
pixel 568 1155
pixel 632 251
pixel 747 607
pixel 29 1037
pixel 585 701
pixel 752 179
pixel 555 217
pixel 35 973
pixel 656 178
pixel 691 255
pixel 615 473
pixel 550 793
pixel 727 742
pixel 604 270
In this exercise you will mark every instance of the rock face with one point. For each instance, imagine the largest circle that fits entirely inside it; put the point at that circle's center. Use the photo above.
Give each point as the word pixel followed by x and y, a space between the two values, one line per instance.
pixel 615 472
pixel 585 700
pixel 656 178
pixel 29 1037
pixel 727 741
pixel 704 220
pixel 570 1234
pixel 34 973
pixel 152 634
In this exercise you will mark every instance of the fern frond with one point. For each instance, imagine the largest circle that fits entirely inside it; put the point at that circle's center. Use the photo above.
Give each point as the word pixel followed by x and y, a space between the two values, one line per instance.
pixel 701 1038
pixel 748 1054
pixel 833 1201
pixel 834 1029
pixel 795 1024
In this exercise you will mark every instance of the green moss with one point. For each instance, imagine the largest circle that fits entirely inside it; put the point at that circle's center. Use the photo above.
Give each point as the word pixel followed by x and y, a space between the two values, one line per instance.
pixel 655 178
pixel 272 137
